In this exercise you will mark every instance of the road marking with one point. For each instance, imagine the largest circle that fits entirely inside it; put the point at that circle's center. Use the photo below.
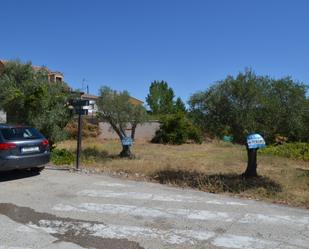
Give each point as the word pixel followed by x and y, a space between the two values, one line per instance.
pixel 111 184
pixel 144 212
pixel 112 209
pixel 153 197
pixel 119 231
pixel 243 242
pixel 13 247
pixel 25 229
pixel 192 214
pixel 169 236
pixel 283 219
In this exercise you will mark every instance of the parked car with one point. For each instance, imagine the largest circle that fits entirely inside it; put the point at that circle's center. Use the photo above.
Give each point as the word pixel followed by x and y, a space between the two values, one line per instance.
pixel 22 147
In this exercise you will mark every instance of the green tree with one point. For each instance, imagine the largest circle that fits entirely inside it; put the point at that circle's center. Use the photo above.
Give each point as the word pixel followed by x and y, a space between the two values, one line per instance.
pixel 249 103
pixel 306 118
pixel 177 129
pixel 179 106
pixel 29 98
pixel 160 98
pixel 286 107
pixel 117 109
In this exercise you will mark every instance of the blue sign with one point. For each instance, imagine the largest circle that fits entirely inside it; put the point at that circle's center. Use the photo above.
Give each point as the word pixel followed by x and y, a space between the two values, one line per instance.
pixel 255 141
pixel 127 141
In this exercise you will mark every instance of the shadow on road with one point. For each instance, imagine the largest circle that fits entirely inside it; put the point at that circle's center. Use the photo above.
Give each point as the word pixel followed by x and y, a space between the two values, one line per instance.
pixel 217 183
pixel 16 174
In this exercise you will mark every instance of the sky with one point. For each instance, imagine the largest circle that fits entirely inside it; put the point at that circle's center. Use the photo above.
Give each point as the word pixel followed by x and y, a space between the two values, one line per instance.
pixel 127 44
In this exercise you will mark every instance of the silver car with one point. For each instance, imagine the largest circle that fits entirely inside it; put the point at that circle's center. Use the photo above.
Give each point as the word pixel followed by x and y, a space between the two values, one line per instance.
pixel 22 147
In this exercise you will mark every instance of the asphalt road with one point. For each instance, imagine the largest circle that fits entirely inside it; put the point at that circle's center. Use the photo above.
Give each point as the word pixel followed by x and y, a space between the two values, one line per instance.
pixel 60 209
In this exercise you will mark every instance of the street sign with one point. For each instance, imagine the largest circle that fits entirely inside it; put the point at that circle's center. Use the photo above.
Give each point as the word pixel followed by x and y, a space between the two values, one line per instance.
pixel 255 141
pixel 79 102
pixel 81 111
pixel 83 102
pixel 127 141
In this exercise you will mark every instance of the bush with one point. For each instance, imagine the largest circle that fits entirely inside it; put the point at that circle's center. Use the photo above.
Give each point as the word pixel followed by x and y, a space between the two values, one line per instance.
pixel 62 157
pixel 93 155
pixel 177 129
pixel 88 155
pixel 298 151
pixel 90 129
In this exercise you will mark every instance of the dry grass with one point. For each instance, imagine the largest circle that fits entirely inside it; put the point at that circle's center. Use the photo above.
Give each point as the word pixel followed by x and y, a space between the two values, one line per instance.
pixel 213 167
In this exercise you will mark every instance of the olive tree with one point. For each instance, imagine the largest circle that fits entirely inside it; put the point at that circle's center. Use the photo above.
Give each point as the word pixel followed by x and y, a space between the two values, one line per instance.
pixel 249 103
pixel 29 98
pixel 121 113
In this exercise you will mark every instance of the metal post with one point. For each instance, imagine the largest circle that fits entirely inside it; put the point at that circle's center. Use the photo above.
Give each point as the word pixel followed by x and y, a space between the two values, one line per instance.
pixel 79 140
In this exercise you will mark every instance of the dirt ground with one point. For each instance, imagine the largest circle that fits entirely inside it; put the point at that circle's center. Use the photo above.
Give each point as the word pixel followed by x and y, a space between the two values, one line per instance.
pixel 212 167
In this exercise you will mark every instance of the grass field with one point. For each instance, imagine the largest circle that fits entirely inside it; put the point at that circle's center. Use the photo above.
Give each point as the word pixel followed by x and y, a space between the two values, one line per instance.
pixel 214 167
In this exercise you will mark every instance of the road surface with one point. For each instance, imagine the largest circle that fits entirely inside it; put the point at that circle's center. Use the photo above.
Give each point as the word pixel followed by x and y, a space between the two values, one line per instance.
pixel 62 209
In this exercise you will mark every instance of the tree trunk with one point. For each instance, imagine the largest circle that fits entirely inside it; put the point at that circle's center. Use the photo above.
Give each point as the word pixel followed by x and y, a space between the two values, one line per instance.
pixel 126 152
pixel 133 131
pixel 252 164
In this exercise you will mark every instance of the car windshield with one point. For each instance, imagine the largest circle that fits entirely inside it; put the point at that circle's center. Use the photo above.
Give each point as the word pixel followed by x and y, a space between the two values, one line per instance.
pixel 20 133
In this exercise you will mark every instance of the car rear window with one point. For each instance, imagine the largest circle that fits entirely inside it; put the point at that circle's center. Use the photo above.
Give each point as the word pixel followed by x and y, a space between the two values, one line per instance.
pixel 20 133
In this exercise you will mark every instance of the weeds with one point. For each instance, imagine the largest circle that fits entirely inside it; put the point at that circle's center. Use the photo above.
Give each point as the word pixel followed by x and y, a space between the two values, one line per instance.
pixel 88 155
pixel 218 183
pixel 214 167
pixel 298 151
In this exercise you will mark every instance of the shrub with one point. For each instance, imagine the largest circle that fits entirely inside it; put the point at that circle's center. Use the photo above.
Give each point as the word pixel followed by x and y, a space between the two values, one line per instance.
pixel 298 151
pixel 93 155
pixel 62 157
pixel 90 129
pixel 88 155
pixel 177 129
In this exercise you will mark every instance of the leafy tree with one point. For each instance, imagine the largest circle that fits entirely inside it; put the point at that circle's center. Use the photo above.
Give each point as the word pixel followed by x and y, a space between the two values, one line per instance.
pixel 29 98
pixel 249 103
pixel 160 98
pixel 179 106
pixel 177 129
pixel 287 108
pixel 117 109
pixel 306 118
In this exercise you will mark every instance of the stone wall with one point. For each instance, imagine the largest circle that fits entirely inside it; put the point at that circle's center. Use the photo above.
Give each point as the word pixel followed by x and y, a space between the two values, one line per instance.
pixel 145 131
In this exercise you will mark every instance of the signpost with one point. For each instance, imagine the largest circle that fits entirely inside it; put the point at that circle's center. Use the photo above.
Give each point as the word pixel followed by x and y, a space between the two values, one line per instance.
pixel 81 111
pixel 253 143
pixel 79 102
pixel 79 105
pixel 127 141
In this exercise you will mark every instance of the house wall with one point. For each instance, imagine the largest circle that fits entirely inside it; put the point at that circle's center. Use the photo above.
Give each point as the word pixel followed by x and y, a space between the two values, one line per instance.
pixel 145 131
